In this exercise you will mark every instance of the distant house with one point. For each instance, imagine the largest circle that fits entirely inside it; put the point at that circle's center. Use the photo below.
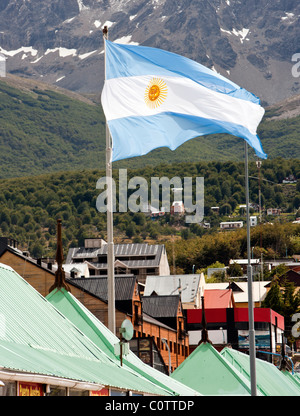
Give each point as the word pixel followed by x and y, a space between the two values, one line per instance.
pixel 215 209
pixel 255 263
pixel 273 211
pixel 177 208
pixel 231 225
pixel 137 259
pixel 153 212
pixel 290 179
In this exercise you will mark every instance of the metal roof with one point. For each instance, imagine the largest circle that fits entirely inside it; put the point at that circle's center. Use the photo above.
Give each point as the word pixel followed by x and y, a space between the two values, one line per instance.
pixel 97 286
pixel 120 250
pixel 218 298
pixel 166 285
pixel 269 379
pixel 77 313
pixel 35 338
pixel 161 306
pixel 211 374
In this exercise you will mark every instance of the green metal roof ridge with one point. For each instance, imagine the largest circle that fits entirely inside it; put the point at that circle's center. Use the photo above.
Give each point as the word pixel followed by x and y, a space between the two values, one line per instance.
pixel 212 356
pixel 292 378
pixel 269 379
pixel 56 296
pixel 68 304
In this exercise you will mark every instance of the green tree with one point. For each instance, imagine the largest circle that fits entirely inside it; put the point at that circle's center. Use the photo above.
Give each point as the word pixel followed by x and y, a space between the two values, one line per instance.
pixel 130 230
pixel 234 270
pixel 273 299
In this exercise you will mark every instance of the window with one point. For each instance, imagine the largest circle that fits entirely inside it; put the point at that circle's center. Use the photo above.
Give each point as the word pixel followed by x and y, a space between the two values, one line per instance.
pixel 75 392
pixel 9 389
pixel 56 391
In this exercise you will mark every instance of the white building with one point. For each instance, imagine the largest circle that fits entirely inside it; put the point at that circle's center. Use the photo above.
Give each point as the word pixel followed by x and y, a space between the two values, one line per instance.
pixel 231 225
pixel 177 208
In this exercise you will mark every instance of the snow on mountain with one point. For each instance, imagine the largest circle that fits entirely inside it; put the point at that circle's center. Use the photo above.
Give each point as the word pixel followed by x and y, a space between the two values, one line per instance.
pixel 60 41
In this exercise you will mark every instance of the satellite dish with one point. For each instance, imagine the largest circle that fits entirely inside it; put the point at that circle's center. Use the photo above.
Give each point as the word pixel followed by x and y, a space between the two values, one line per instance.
pixel 126 329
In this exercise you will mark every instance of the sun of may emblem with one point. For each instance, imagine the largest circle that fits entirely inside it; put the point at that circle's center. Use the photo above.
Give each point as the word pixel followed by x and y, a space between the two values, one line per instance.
pixel 156 93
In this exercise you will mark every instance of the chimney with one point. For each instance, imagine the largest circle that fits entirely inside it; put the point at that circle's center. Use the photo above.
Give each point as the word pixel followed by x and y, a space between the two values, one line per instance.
pixel 59 274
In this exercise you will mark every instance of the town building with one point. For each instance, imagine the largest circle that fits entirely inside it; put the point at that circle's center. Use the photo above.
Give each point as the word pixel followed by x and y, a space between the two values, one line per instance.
pixel 231 326
pixel 227 373
pixel 137 259
pixel 187 286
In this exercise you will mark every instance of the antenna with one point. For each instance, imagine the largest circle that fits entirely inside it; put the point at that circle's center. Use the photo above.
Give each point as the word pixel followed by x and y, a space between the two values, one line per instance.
pixel 126 332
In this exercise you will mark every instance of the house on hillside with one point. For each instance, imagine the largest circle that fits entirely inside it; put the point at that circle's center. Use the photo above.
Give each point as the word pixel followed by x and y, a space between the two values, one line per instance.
pixel 273 211
pixel 231 225
pixel 290 179
pixel 177 208
pixel 255 263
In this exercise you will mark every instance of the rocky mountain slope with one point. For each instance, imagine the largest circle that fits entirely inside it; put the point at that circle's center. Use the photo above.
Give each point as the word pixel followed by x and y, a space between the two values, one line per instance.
pixel 255 42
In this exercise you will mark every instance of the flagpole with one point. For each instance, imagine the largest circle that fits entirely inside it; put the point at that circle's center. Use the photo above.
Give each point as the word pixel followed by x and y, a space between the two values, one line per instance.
pixel 110 239
pixel 249 278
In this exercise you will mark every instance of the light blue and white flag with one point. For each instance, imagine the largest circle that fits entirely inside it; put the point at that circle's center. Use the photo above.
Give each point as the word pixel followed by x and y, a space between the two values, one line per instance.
pixel 153 98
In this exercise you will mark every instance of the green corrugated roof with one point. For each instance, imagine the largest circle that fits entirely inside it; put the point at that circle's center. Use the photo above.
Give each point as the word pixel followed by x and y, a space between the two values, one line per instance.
pixel 209 373
pixel 297 377
pixel 36 338
pixel 80 316
pixel 292 378
pixel 269 379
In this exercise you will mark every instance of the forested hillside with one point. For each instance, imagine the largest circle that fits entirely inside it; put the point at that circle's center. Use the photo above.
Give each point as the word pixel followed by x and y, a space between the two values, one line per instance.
pixel 30 206
pixel 43 130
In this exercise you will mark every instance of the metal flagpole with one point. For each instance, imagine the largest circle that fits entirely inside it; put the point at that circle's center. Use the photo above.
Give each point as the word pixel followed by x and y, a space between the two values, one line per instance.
pixel 249 275
pixel 110 238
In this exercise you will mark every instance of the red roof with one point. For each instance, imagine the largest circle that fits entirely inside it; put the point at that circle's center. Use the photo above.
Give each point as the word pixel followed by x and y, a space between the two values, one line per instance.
pixel 218 298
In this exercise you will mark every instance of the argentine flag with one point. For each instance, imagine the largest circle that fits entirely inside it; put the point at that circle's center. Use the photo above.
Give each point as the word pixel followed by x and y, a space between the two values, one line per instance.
pixel 153 98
